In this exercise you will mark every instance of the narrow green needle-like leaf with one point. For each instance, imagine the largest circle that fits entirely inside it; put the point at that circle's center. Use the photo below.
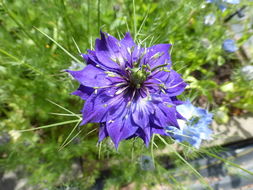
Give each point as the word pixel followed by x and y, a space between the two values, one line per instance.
pixel 51 125
pixel 79 132
pixel 78 49
pixel 152 148
pixel 21 62
pixel 66 51
pixel 77 124
pixel 63 114
pixel 64 109
pixel 142 24
pixel 99 150
pixel 134 19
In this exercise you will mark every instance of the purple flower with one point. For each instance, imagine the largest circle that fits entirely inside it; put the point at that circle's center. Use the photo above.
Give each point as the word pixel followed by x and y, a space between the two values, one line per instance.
pixel 131 91
pixel 229 45
pixel 194 128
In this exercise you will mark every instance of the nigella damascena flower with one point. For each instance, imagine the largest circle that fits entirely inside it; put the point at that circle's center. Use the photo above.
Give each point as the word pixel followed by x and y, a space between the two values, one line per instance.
pixel 194 128
pixel 131 91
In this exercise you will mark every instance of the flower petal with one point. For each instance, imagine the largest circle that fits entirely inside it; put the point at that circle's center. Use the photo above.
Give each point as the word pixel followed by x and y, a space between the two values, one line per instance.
pixel 175 85
pixel 165 116
pixel 158 55
pixel 84 92
pixel 102 132
pixel 141 111
pixel 108 52
pixel 91 76
pixel 127 41
pixel 120 129
pixel 103 106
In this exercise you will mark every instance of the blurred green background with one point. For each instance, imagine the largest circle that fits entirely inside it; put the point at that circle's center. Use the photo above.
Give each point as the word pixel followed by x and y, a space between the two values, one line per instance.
pixel 32 77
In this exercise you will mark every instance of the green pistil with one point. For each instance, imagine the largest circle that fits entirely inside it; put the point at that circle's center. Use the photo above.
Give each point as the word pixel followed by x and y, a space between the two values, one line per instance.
pixel 193 120
pixel 139 75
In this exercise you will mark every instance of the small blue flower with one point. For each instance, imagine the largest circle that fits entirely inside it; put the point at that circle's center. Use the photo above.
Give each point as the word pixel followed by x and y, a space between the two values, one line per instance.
pixel 247 72
pixel 146 163
pixel 226 1
pixel 4 139
pixel 218 3
pixel 229 45
pixel 232 1
pixel 222 3
pixel 209 19
pixel 194 128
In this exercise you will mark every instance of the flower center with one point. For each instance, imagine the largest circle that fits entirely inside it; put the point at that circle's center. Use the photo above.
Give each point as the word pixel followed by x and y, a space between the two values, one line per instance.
pixel 193 120
pixel 138 76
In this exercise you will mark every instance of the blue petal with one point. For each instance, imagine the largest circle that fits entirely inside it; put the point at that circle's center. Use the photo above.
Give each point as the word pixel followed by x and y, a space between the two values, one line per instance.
pixel 102 132
pixel 127 41
pixel 187 110
pixel 91 76
pixel 165 115
pixel 173 82
pixel 120 129
pixel 158 55
pixel 109 53
pixel 141 111
pixel 84 92
pixel 98 106
pixel 191 131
